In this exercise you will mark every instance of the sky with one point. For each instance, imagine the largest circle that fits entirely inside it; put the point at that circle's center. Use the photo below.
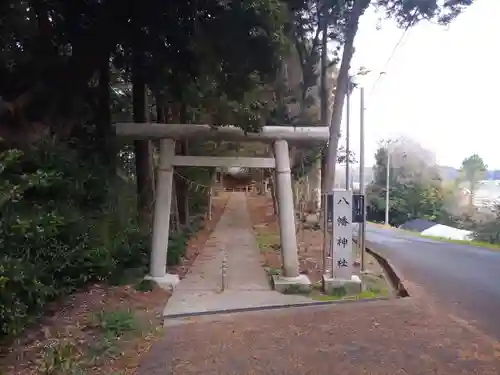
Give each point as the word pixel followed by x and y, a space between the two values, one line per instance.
pixel 441 87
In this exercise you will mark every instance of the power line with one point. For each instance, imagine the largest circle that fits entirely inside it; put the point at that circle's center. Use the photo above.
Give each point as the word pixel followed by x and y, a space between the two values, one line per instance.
pixel 394 50
pixel 411 23
pixel 399 43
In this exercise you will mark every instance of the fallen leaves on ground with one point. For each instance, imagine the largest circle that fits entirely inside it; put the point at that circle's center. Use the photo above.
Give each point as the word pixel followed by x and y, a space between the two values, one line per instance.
pixel 309 242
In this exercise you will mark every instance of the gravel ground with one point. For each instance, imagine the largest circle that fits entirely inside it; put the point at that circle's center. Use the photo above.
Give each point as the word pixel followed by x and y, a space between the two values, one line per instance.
pixel 403 336
pixel 400 336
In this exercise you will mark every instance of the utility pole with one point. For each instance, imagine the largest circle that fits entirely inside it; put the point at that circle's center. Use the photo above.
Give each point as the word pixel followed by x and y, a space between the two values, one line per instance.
pixel 347 124
pixel 362 189
pixel 325 102
pixel 387 176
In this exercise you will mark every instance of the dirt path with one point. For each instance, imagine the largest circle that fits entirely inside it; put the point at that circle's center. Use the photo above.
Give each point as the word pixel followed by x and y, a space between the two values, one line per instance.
pixel 377 338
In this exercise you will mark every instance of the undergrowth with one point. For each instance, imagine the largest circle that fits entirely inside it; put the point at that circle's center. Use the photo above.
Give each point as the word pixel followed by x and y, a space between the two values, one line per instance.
pixel 66 221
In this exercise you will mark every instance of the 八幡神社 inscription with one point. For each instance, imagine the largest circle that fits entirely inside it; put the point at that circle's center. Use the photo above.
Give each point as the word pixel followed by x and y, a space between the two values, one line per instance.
pixel 341 244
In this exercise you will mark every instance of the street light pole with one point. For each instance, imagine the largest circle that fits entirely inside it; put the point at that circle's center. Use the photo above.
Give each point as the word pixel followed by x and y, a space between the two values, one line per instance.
pixel 362 190
pixel 347 123
pixel 387 185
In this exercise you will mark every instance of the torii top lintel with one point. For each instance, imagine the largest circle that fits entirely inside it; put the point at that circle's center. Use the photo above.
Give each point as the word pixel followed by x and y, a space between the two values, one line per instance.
pixel 292 134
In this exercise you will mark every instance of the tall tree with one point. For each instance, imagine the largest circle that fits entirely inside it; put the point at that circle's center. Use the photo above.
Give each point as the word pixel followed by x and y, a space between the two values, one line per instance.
pixel 407 13
pixel 472 171
pixel 415 187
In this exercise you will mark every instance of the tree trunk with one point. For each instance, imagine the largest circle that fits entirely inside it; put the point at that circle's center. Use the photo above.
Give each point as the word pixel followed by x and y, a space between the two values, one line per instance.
pixel 316 185
pixel 471 197
pixel 142 149
pixel 160 109
pixel 273 195
pixel 294 194
pixel 324 97
pixel 213 181
pixel 183 119
pixel 307 189
pixel 261 184
pixel 324 102
pixel 186 195
pixel 181 188
pixel 358 8
pixel 104 131
pixel 175 210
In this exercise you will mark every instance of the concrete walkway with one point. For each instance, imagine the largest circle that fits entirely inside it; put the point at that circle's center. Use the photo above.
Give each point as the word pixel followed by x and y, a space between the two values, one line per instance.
pixel 246 282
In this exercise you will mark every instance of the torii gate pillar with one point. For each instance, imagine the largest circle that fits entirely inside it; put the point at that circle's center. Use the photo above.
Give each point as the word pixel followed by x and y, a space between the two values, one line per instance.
pixel 286 211
pixel 289 252
pixel 161 223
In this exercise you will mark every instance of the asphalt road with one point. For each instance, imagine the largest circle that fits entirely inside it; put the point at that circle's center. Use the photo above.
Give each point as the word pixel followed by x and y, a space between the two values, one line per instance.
pixel 465 278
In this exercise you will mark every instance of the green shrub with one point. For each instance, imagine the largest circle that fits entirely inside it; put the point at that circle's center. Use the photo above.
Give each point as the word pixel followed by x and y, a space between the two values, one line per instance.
pixel 63 223
pixel 22 292
pixel 66 221
pixel 177 245
pixel 116 323
pixel 60 358
pixel 145 286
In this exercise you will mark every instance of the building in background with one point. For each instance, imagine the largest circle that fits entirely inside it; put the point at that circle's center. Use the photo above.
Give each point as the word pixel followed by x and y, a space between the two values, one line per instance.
pixel 487 195
pixel 431 229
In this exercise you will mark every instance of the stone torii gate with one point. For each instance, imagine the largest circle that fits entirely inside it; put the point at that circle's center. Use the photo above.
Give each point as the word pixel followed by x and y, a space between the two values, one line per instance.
pixel 279 136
